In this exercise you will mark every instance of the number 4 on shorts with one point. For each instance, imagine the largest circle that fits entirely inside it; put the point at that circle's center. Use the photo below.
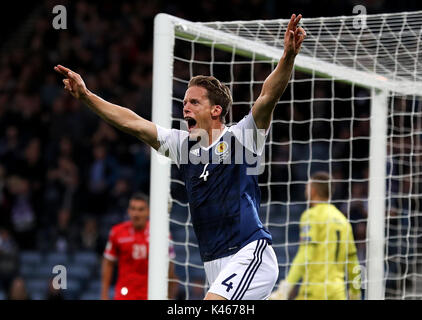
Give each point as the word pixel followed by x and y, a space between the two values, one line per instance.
pixel 229 285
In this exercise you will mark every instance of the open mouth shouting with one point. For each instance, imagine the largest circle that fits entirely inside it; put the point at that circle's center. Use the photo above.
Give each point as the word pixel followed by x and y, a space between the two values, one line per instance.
pixel 191 123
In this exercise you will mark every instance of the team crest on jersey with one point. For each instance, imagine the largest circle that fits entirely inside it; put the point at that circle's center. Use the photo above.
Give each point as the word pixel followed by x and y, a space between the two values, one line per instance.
pixel 222 149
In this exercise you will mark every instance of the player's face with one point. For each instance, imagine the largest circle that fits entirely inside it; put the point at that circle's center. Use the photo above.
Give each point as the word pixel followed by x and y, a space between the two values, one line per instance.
pixel 197 109
pixel 138 211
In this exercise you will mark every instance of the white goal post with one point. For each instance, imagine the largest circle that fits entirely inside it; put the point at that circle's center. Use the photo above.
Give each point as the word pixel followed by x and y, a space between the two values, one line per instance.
pixel 160 168
pixel 382 56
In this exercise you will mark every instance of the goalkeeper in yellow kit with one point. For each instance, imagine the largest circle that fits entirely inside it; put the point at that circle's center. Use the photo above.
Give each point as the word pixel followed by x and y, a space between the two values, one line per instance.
pixel 327 250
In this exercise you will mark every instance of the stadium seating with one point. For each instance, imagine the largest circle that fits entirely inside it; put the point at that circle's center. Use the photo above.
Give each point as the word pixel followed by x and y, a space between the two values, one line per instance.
pixel 82 270
pixel 94 292
pixel 57 258
pixel 73 289
pixel 38 296
pixel 86 258
pixel 37 288
pixel 27 270
pixel 30 258
pixel 78 271
pixel 43 271
pixel 90 295
pixel 94 285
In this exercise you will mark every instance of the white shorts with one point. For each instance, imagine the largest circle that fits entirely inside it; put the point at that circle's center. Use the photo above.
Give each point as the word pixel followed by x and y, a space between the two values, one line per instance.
pixel 250 274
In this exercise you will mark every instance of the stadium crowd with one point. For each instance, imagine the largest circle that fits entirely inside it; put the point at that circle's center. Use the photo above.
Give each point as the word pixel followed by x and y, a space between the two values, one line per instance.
pixel 65 175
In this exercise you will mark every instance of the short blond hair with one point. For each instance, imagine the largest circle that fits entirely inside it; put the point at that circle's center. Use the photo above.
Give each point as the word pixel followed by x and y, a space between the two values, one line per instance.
pixel 321 181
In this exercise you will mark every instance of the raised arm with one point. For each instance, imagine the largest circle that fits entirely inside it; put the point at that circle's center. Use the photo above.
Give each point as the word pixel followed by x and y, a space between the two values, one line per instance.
pixel 277 81
pixel 121 118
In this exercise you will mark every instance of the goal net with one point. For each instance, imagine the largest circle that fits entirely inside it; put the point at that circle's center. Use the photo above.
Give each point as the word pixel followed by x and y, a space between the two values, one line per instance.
pixel 352 108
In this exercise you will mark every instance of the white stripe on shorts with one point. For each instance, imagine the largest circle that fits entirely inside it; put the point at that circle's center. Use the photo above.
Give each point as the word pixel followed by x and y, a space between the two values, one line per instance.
pixel 250 271
pixel 250 274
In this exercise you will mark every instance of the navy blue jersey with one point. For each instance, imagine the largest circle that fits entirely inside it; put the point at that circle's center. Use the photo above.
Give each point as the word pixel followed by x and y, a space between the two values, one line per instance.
pixel 222 186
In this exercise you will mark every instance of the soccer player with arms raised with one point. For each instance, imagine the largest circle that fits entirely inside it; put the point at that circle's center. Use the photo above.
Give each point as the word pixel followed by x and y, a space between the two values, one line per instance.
pixel 224 199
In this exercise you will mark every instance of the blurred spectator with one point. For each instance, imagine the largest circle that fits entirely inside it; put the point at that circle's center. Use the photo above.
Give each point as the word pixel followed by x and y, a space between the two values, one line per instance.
pixel 17 290
pixel 23 217
pixel 89 236
pixel 63 147
pixel 50 89
pixel 61 187
pixel 141 175
pixel 31 166
pixel 358 214
pixel 119 196
pixel 9 259
pixel 103 174
pixel 4 199
pixel 55 153
pixel 105 134
pixel 26 106
pixel 58 118
pixel 61 237
pixel 359 204
pixel 9 148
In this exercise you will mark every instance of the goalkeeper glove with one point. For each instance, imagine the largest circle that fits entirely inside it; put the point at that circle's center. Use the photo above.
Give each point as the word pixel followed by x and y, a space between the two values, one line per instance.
pixel 283 291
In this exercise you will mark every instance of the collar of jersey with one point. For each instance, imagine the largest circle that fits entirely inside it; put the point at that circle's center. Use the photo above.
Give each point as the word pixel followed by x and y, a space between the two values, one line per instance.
pixel 216 140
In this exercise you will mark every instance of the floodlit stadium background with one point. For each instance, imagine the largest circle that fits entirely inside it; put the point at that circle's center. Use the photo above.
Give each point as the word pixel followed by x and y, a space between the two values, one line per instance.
pixel 57 204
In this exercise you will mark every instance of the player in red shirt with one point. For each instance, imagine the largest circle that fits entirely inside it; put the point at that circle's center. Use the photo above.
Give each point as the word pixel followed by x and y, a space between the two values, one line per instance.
pixel 128 245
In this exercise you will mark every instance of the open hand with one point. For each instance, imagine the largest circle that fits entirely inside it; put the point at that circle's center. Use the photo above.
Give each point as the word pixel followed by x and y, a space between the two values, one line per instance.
pixel 294 36
pixel 73 82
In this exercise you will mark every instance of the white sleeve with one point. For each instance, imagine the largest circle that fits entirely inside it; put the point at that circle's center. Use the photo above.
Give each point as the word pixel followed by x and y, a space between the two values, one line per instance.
pixel 249 135
pixel 170 142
